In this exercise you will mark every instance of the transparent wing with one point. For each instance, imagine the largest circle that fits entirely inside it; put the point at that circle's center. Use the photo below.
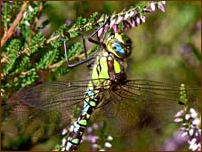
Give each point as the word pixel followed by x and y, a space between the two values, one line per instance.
pixel 52 104
pixel 141 104
pixel 134 104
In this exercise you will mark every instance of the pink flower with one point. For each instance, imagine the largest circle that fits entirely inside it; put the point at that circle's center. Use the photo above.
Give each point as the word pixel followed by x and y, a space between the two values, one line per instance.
pixel 120 18
pixel 153 6
pixel 112 22
pixel 100 32
pixel 115 28
pixel 133 22
pixel 161 7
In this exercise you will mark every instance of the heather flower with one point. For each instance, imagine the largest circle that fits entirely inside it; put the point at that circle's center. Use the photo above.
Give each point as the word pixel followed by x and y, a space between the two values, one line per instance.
pixel 100 32
pixel 27 23
pixel 94 139
pixel 161 7
pixel 109 138
pixel 127 15
pixel 147 10
pixel 127 25
pixel 112 23
pixel 133 22
pixel 142 17
pixel 95 126
pixel 18 31
pixel 108 145
pixel 153 7
pixel 115 28
pixel 138 20
pixel 68 22
pixel 30 8
pixel 64 131
pixel 120 18
pixel 190 125
pixel 131 18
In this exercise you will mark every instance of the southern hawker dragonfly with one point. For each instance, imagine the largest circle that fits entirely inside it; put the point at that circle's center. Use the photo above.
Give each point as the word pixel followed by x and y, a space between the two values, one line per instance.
pixel 125 104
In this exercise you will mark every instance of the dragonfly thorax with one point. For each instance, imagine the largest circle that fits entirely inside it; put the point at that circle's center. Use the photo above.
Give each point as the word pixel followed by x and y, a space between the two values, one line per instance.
pixel 109 67
pixel 111 62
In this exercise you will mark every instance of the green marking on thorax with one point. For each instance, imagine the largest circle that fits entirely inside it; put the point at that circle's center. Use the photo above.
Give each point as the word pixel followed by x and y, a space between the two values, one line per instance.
pixel 117 67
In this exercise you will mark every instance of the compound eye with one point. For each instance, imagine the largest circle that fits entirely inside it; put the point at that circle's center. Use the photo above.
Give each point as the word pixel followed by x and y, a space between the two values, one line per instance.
pixel 120 45
pixel 118 49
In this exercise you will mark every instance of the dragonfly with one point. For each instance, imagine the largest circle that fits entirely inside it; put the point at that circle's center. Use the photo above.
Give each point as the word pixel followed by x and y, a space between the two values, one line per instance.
pixel 125 103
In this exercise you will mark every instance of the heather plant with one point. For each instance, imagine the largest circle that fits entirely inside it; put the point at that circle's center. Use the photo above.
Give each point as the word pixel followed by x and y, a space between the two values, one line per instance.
pixel 22 40
pixel 32 51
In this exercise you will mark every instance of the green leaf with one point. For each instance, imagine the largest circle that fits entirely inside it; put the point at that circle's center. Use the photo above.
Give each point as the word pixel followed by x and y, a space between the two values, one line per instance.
pixel 47 59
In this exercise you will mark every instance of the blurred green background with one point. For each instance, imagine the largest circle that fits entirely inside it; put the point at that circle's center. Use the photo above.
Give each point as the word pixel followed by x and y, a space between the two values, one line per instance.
pixel 163 50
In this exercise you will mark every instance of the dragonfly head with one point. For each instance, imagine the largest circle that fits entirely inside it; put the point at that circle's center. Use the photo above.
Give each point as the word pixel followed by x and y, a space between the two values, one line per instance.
pixel 119 44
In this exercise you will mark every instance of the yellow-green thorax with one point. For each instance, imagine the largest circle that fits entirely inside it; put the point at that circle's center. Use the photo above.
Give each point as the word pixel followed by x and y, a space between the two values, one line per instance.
pixel 110 62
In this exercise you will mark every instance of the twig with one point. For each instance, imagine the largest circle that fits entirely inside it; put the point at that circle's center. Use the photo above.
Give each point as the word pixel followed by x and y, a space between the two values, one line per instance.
pixel 10 32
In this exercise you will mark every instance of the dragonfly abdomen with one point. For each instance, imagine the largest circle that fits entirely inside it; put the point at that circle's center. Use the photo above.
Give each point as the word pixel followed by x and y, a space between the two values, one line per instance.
pixel 90 103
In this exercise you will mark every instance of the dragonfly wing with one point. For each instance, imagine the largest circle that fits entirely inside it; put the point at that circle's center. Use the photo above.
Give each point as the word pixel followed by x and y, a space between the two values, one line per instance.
pixel 55 103
pixel 141 104
pixel 117 114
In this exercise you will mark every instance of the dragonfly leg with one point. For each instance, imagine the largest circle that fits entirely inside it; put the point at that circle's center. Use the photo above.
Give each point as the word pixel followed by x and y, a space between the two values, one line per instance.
pixel 90 38
pixel 81 62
